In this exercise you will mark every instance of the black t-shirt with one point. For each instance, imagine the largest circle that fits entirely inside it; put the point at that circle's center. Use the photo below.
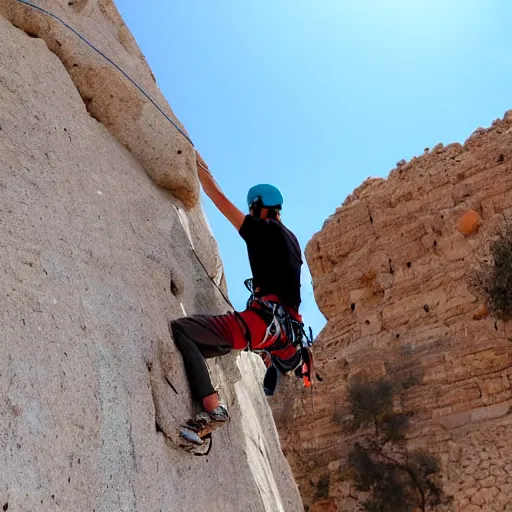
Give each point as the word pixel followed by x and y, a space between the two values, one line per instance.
pixel 275 258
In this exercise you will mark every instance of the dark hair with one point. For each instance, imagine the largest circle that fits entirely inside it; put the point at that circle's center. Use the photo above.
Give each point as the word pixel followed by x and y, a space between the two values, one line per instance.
pixel 272 213
pixel 257 206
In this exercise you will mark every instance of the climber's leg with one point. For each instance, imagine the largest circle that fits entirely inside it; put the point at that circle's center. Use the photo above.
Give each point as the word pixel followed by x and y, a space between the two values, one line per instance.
pixel 199 337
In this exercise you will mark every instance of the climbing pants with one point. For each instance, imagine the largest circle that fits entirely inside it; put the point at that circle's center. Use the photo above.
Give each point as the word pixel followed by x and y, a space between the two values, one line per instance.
pixel 201 337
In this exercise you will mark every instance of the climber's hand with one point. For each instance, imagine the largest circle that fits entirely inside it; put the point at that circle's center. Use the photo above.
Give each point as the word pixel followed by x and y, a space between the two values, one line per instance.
pixel 214 192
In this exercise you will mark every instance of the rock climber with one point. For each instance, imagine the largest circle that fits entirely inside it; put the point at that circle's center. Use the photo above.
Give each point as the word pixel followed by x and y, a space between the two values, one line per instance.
pixel 275 261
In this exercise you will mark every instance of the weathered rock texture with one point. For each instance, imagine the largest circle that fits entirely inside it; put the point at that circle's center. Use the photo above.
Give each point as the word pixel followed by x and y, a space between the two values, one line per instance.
pixel 109 97
pixel 392 271
pixel 95 259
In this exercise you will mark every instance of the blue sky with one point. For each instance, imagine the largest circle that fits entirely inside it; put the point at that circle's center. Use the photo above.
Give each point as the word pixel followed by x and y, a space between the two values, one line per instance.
pixel 317 95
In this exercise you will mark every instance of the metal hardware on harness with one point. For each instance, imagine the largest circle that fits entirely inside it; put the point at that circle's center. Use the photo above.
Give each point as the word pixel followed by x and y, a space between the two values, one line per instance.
pixel 277 327
pixel 282 325
pixel 282 331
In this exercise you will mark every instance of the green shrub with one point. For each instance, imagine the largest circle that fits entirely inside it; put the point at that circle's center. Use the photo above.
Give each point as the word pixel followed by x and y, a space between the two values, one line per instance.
pixel 322 487
pixel 495 278
pixel 500 283
pixel 379 463
pixel 368 400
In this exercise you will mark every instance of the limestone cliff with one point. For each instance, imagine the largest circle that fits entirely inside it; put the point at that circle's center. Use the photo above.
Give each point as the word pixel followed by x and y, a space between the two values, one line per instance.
pixel 392 271
pixel 96 258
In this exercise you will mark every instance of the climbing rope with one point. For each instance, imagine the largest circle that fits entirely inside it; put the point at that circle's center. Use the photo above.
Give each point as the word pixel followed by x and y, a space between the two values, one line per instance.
pixel 213 280
pixel 142 91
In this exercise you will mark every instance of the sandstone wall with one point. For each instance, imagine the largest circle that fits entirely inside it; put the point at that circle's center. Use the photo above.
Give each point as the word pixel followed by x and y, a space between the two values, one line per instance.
pixel 95 259
pixel 391 271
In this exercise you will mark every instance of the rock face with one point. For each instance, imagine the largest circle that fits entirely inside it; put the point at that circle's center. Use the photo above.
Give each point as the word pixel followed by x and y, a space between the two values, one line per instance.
pixel 392 271
pixel 109 97
pixel 95 260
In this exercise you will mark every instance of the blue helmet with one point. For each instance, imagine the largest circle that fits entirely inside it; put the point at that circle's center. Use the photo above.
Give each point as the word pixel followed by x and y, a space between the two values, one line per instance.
pixel 269 195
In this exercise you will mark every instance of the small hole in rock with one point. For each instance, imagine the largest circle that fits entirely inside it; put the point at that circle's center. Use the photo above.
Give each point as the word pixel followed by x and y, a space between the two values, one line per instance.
pixel 501 158
pixel 353 306
pixel 367 322
pixel 426 308
pixel 179 151
pixel 397 336
pixel 6 506
pixel 435 243
pixel 409 264
pixel 174 288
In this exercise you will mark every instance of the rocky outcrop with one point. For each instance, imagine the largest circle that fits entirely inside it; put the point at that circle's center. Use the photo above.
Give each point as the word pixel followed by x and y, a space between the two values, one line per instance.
pixel 95 260
pixel 132 119
pixel 392 272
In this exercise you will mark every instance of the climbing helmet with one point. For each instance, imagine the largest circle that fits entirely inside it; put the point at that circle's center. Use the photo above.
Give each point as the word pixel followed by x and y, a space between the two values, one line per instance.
pixel 268 195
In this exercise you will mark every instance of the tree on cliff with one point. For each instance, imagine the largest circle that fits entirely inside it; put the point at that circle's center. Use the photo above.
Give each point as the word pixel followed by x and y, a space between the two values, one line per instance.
pixel 493 280
pixel 379 463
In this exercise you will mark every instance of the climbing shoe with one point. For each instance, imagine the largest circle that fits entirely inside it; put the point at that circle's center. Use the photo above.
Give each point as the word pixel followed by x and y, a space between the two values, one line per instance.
pixel 220 414
pixel 204 423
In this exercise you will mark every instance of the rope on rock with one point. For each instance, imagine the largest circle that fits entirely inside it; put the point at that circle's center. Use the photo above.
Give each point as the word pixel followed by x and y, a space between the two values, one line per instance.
pixel 142 91
pixel 109 60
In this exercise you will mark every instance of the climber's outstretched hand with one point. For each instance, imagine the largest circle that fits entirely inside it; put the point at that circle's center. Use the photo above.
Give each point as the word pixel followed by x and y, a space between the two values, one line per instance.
pixel 214 192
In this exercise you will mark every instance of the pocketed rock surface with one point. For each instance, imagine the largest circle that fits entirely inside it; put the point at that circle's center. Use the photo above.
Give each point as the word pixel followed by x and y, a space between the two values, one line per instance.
pixel 95 260
pixel 392 271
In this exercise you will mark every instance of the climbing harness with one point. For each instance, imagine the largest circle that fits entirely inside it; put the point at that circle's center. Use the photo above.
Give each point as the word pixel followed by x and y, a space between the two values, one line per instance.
pixel 284 329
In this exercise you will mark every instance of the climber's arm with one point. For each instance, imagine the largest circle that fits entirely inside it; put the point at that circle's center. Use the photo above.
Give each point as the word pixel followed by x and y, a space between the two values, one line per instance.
pixel 213 191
